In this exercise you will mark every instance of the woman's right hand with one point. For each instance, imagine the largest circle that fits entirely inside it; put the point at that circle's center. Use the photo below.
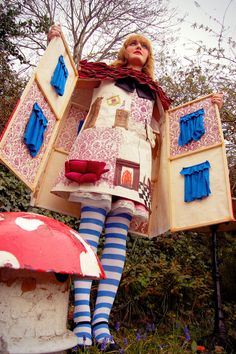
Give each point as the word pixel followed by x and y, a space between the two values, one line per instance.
pixel 54 31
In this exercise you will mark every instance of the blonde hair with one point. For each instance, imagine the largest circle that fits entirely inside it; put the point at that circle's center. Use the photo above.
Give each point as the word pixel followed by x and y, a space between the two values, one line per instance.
pixel 122 56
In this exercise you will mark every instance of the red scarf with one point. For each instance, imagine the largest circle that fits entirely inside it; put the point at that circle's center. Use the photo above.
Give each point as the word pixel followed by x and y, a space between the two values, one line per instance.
pixel 102 71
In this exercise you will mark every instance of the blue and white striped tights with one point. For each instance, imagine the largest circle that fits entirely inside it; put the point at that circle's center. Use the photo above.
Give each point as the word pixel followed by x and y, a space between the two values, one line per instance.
pixel 113 259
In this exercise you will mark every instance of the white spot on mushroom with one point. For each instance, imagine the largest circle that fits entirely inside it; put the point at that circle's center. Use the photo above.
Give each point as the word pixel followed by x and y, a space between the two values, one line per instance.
pixel 88 260
pixel 28 224
pixel 8 259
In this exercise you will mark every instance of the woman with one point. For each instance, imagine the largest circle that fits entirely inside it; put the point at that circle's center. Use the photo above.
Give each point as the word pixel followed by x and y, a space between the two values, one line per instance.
pixel 107 169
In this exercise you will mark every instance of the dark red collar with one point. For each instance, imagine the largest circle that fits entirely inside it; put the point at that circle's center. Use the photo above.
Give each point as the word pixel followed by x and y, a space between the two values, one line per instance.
pixel 102 71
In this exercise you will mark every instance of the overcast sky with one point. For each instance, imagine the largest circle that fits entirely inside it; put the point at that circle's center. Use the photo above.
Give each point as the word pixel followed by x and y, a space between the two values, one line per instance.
pixel 204 12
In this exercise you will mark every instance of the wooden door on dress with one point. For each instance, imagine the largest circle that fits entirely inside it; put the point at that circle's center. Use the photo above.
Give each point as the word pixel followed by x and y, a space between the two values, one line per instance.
pixel 171 211
pixel 13 151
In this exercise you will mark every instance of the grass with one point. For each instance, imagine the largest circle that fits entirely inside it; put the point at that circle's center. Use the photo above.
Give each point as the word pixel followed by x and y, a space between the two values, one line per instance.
pixel 151 340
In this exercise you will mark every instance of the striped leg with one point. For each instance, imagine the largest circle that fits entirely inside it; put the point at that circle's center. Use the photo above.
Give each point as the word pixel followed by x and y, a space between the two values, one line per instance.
pixel 91 225
pixel 113 259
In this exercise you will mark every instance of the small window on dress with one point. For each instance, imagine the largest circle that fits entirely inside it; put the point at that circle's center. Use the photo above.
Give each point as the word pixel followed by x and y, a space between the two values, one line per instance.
pixel 121 118
pixel 93 113
pixel 127 174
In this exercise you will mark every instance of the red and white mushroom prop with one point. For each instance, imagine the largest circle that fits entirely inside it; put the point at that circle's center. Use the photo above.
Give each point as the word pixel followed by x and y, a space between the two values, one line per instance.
pixel 36 242
pixel 35 252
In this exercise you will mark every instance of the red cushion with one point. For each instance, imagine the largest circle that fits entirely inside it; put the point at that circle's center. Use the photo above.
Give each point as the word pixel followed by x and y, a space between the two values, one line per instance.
pixel 84 171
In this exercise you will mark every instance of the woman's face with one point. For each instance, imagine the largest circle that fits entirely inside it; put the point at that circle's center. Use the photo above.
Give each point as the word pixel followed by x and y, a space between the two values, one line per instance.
pixel 137 54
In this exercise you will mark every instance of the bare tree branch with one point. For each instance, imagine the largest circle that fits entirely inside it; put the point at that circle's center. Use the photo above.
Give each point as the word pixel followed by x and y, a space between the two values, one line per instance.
pixel 94 28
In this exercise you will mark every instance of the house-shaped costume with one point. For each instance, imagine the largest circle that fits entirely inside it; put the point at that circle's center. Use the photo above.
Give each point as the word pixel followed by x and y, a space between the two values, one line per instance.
pixel 189 178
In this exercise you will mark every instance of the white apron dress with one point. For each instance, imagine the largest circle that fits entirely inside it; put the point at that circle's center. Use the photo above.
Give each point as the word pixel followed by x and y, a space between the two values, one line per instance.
pixel 116 131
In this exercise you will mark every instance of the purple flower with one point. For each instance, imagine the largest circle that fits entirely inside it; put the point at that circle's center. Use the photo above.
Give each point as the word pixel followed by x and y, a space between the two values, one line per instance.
pixel 125 341
pixel 117 326
pixel 138 337
pixel 148 327
pixel 153 327
pixel 121 351
pixel 104 344
pixel 186 334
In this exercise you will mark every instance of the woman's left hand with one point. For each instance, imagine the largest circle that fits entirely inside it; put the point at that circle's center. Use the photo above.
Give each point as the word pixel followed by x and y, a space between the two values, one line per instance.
pixel 217 98
pixel 54 32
